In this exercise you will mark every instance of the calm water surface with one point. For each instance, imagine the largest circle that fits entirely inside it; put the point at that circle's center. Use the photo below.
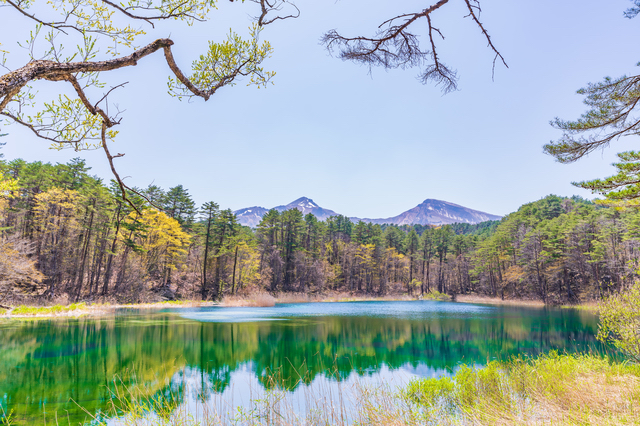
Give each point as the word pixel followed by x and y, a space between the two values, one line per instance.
pixel 55 366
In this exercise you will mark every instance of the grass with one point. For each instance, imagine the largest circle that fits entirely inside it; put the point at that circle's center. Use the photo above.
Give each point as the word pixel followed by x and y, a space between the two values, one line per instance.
pixel 436 295
pixel 261 299
pixel 163 304
pixel 550 389
pixel 338 297
pixel 23 310
pixel 589 307
pixel 472 298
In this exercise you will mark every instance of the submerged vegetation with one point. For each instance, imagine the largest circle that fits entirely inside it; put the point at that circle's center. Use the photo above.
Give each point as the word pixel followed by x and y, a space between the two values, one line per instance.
pixel 64 235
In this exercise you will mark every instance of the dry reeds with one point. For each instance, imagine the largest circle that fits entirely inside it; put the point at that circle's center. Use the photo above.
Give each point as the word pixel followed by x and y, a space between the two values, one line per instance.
pixel 297 298
pixel 471 298
pixel 552 389
pixel 260 300
pixel 549 390
pixel 339 297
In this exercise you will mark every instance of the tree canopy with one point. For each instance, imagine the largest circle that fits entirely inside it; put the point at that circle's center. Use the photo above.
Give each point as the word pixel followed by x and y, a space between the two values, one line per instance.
pixel 84 118
pixel 613 113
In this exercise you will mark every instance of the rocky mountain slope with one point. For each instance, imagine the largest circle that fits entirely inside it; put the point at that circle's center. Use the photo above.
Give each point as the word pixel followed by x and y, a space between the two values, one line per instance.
pixel 436 212
pixel 429 212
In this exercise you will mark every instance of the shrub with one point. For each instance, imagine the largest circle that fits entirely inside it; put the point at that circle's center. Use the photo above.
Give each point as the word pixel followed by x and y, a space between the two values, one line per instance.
pixel 620 321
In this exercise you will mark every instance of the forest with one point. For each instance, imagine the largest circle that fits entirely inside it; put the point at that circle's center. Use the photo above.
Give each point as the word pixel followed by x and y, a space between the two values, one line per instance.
pixel 65 233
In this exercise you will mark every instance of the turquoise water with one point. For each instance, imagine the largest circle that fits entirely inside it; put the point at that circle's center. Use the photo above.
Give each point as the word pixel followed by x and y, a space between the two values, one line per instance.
pixel 67 366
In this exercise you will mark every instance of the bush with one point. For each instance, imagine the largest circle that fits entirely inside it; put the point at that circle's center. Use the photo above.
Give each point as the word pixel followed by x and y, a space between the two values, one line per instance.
pixel 51 310
pixel 436 295
pixel 620 321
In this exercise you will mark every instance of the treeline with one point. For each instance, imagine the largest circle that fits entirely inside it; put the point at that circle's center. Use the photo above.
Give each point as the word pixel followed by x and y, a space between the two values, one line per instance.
pixel 65 233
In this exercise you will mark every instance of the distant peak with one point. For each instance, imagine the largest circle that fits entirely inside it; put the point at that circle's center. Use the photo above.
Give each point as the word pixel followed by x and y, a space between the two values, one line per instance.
pixel 304 201
pixel 434 201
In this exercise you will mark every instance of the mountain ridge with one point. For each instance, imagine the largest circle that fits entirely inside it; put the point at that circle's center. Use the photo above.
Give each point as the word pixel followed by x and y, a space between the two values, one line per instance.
pixel 429 212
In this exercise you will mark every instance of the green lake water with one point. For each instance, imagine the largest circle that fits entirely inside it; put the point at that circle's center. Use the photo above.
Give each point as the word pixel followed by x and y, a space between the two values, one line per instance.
pixel 54 367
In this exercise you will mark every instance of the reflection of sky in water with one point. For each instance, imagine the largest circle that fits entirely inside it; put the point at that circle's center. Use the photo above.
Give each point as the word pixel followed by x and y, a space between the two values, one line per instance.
pixel 227 351
pixel 246 393
pixel 408 310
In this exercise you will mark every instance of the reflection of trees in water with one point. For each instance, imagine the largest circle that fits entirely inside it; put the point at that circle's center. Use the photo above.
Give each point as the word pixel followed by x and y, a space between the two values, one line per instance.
pixel 44 364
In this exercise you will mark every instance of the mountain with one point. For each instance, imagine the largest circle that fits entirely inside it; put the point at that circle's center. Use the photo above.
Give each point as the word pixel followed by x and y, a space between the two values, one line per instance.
pixel 306 205
pixel 251 216
pixel 429 212
pixel 436 212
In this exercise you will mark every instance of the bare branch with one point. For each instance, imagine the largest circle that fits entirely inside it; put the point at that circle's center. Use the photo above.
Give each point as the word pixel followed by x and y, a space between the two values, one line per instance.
pixel 486 34
pixel 397 47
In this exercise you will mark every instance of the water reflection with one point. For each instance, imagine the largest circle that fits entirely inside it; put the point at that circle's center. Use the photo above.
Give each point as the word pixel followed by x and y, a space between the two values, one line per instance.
pixel 46 365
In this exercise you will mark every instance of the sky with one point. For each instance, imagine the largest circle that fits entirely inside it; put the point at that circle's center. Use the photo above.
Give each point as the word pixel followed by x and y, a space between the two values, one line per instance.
pixel 365 144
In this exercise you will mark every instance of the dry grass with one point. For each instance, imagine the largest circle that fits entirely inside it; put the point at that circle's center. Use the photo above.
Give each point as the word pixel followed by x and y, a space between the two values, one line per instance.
pixel 471 298
pixel 550 390
pixel 338 297
pixel 265 299
pixel 297 298
pixel 262 300
pixel 165 304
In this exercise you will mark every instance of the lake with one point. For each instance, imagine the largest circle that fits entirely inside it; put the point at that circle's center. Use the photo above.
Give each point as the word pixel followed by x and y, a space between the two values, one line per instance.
pixel 62 367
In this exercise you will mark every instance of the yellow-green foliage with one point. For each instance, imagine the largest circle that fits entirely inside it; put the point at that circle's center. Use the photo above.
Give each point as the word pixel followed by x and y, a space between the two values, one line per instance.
pixel 3 311
pixel 568 386
pixel 47 310
pixel 620 321
pixel 589 308
pixel 159 239
pixel 436 295
pixel 7 186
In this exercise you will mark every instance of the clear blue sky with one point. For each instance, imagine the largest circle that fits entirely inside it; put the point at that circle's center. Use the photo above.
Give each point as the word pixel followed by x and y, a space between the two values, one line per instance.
pixel 369 146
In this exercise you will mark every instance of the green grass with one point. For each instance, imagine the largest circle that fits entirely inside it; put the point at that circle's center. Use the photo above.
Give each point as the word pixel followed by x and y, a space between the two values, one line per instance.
pixel 47 310
pixel 550 389
pixel 588 308
pixel 436 295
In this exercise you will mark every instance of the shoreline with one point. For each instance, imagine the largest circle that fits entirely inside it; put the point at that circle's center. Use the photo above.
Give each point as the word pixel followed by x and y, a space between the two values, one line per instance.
pixel 94 310
pixel 261 300
pixel 589 306
pixel 488 300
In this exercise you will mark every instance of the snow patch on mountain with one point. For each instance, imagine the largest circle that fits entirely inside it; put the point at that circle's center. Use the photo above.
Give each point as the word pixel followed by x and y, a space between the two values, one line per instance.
pixel 429 212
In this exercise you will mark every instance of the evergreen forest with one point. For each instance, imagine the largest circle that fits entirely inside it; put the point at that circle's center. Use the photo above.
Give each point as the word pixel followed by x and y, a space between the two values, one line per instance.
pixel 65 233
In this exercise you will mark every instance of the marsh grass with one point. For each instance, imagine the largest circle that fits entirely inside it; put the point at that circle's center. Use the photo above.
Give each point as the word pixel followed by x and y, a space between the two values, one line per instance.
pixel 262 299
pixel 589 307
pixel 54 310
pixel 161 305
pixel 471 298
pixel 339 297
pixel 6 418
pixel 550 389
pixel 437 296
